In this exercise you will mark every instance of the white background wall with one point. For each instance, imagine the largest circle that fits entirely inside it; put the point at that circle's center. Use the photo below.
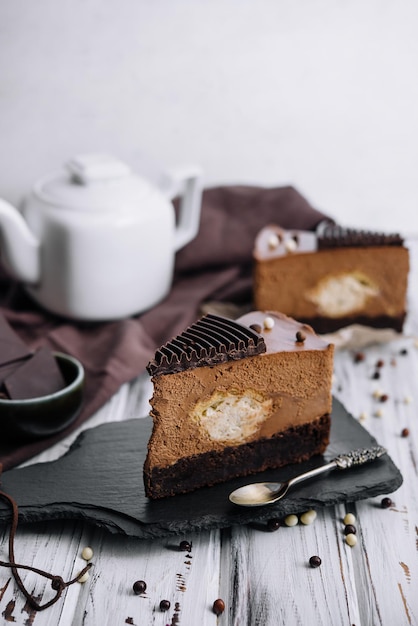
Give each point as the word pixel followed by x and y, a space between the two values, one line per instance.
pixel 321 94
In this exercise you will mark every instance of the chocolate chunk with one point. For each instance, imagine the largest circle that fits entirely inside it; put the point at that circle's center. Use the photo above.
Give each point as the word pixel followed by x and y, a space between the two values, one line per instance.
pixel 8 369
pixel 12 347
pixel 38 376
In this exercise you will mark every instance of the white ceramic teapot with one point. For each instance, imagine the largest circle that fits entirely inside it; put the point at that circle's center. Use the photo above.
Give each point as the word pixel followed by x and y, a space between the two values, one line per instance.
pixel 95 241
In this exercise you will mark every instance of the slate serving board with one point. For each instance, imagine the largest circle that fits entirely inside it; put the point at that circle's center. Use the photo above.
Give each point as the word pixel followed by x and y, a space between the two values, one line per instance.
pixel 100 480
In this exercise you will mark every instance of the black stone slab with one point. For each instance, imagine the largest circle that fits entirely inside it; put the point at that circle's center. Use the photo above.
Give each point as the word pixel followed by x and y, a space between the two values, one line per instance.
pixel 100 480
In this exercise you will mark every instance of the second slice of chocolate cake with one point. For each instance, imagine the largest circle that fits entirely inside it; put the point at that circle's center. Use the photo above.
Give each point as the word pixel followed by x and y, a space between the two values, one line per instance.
pixel 332 278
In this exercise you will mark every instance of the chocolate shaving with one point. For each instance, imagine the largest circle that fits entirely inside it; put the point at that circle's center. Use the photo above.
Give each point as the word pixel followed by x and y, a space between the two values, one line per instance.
pixel 333 236
pixel 210 340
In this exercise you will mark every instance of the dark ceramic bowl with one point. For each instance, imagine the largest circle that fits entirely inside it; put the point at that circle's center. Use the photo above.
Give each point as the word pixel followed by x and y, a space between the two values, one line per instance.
pixel 35 418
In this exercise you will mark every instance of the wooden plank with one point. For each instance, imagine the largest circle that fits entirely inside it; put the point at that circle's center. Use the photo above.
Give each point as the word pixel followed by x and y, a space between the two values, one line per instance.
pixel 187 579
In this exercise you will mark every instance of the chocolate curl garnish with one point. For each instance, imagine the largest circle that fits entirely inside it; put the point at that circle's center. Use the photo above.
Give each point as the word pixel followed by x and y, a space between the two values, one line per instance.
pixel 334 236
pixel 211 340
pixel 57 583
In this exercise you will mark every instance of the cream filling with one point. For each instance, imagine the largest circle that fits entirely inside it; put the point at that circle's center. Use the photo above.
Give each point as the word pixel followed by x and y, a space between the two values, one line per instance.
pixel 345 294
pixel 230 417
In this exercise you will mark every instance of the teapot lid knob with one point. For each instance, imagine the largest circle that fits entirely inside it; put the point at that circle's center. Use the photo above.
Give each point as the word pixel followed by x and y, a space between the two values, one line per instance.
pixel 88 168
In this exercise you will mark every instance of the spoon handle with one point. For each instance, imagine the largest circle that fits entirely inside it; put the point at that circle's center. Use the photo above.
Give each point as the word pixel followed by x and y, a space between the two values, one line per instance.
pixel 342 461
pixel 359 457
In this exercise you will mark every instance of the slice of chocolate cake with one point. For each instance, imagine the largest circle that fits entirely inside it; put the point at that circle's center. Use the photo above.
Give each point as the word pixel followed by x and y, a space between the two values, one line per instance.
pixel 332 278
pixel 235 398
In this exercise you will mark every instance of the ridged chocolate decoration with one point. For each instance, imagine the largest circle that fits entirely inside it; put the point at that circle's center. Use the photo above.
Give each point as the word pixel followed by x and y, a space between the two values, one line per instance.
pixel 210 340
pixel 333 236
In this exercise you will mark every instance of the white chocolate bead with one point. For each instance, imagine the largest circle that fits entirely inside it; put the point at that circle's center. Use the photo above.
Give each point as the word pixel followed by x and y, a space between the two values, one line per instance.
pixel 268 323
pixel 351 539
pixel 407 400
pixel 349 518
pixel 84 578
pixel 308 517
pixel 363 416
pixel 273 241
pixel 291 520
pixel 291 245
pixel 378 413
pixel 377 393
pixel 87 553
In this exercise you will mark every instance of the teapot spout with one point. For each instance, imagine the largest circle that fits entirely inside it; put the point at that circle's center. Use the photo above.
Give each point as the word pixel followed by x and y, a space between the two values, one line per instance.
pixel 19 249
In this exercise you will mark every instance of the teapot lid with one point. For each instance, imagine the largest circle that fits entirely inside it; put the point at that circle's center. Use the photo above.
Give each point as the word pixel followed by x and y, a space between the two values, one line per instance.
pixel 92 182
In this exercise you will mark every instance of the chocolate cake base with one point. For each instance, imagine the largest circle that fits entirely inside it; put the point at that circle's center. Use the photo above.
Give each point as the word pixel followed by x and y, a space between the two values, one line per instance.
pixel 295 445
pixel 324 325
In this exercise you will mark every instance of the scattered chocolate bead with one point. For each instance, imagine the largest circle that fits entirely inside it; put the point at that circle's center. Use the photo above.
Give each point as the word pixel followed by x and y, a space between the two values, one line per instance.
pixel 185 546
pixel 139 587
pixel 256 327
pixel 349 518
pixel 291 520
pixel 350 529
pixel 376 376
pixel 218 606
pixel 87 553
pixel 380 363
pixel 300 336
pixel 384 397
pixel 273 524
pixel 351 539
pixel 403 352
pixel 308 517
pixel 405 432
pixel 84 578
pixel 386 503
pixel 358 357
pixel 393 362
pixel 165 605
pixel 315 561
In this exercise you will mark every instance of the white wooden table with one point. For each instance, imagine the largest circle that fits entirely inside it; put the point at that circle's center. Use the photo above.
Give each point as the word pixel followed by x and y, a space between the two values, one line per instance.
pixel 264 578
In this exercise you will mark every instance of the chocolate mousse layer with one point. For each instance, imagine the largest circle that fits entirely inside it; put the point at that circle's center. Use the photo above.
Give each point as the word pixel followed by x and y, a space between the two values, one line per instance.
pixel 334 278
pixel 236 412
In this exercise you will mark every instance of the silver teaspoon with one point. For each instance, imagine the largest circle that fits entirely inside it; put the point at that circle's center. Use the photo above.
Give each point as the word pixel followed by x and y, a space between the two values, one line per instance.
pixel 259 494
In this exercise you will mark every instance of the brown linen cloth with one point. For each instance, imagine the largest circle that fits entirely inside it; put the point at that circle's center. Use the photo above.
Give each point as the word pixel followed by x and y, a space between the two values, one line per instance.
pixel 216 266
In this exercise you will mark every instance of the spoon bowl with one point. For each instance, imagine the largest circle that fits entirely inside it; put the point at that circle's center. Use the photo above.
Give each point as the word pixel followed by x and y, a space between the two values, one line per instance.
pixel 257 494
pixel 260 494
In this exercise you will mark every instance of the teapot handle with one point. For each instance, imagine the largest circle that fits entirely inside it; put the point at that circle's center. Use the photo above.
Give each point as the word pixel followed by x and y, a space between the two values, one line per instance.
pixel 187 182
